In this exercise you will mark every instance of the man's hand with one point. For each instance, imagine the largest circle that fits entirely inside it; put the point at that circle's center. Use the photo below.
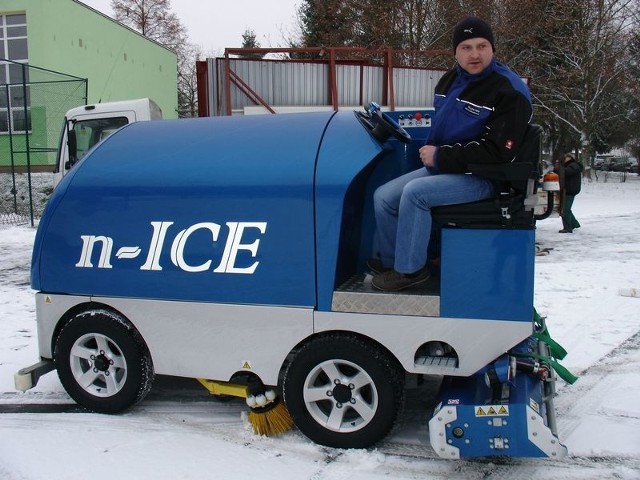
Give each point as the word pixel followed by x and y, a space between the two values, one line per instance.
pixel 427 155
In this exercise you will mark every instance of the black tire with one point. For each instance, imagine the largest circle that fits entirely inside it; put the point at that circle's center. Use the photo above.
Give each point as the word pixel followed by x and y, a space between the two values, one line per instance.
pixel 343 392
pixel 102 362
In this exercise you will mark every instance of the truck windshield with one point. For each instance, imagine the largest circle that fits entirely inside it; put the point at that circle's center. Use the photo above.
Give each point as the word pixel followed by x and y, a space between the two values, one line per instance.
pixel 90 132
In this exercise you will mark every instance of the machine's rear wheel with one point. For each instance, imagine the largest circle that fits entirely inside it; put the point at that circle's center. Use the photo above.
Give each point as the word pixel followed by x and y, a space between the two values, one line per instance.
pixel 103 362
pixel 343 392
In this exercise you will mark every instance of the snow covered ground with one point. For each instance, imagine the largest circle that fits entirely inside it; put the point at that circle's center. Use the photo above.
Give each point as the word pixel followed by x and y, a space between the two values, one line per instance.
pixel 181 433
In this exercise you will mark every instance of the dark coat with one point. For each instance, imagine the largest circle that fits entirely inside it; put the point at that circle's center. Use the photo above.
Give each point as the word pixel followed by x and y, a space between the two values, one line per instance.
pixel 572 177
pixel 479 118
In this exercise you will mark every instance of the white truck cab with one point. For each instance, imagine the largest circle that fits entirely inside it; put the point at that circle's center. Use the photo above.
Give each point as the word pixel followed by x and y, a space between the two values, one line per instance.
pixel 87 125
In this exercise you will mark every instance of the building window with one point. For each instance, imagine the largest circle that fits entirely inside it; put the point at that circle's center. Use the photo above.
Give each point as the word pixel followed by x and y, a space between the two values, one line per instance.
pixel 14 78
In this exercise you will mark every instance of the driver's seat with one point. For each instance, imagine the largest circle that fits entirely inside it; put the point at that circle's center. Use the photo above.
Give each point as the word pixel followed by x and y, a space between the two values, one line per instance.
pixel 513 205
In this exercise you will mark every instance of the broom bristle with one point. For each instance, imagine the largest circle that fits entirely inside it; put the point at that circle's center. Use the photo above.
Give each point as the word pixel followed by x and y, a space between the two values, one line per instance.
pixel 272 421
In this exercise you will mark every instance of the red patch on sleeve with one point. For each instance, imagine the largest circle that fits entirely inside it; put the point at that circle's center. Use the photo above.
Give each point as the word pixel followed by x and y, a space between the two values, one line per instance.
pixel 509 144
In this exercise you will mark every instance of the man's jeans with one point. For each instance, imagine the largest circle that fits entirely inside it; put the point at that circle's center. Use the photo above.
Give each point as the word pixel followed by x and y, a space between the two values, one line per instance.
pixel 403 212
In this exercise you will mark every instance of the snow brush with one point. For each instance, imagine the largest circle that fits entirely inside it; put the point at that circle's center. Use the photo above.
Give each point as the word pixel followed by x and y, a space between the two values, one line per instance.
pixel 268 415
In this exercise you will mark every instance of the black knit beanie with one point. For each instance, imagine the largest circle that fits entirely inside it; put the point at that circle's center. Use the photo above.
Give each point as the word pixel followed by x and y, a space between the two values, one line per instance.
pixel 472 27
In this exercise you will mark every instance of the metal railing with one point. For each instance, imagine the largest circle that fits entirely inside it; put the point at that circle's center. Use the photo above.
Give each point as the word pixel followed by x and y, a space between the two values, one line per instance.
pixel 33 102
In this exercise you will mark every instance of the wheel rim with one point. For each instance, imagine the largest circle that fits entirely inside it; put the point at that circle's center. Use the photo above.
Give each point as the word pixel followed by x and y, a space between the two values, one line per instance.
pixel 340 396
pixel 98 365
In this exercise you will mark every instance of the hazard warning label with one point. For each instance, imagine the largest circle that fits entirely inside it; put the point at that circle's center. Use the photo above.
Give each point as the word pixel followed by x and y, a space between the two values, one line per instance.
pixel 492 411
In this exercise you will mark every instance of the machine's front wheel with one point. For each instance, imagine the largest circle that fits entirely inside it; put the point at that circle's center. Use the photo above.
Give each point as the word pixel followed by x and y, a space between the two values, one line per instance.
pixel 103 362
pixel 343 392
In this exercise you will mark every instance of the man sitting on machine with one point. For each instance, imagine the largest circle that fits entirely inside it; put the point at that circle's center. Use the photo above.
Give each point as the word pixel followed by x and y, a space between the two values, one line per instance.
pixel 483 110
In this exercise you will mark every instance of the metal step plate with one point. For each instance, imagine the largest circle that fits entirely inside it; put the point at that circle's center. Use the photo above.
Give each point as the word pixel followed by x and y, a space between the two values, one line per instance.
pixel 431 361
pixel 358 296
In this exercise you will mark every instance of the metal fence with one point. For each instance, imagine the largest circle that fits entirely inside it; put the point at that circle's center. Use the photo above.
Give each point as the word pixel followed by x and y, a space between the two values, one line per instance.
pixel 245 84
pixel 33 102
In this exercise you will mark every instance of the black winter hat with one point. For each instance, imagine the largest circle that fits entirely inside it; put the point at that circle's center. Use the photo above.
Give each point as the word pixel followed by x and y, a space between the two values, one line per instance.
pixel 472 27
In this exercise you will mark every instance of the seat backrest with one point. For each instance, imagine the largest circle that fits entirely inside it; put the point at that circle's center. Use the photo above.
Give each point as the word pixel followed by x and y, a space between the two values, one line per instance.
pixel 514 203
pixel 530 153
pixel 524 166
pixel 531 148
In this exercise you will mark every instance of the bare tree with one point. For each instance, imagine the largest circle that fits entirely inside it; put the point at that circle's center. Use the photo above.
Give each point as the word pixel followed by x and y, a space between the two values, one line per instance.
pixel 633 85
pixel 581 68
pixel 154 19
pixel 188 81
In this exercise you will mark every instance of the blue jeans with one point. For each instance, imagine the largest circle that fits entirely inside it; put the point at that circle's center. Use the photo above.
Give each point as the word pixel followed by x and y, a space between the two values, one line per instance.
pixel 403 212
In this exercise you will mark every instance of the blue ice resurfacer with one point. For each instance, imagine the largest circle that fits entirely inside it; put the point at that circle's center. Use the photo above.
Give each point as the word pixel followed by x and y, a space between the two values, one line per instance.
pixel 233 250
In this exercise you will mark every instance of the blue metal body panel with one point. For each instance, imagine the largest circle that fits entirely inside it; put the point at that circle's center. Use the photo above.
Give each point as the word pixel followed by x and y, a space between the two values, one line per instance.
pixel 344 161
pixel 247 184
pixel 496 285
pixel 152 211
pixel 396 159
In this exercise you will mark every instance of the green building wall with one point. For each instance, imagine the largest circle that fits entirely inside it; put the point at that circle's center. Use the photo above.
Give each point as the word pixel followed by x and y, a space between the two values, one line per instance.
pixel 69 37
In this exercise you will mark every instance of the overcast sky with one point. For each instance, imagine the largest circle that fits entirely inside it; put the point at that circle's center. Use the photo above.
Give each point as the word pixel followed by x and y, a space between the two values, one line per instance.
pixel 216 25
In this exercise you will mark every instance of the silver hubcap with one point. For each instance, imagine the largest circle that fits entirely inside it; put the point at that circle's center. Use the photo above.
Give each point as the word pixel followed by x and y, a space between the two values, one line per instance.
pixel 98 365
pixel 340 396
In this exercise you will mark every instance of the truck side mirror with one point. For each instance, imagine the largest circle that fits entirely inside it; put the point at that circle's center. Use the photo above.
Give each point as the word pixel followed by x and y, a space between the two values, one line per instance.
pixel 72 145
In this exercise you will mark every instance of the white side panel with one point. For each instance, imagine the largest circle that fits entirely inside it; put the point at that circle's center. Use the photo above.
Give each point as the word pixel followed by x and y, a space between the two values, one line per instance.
pixel 438 431
pixel 477 342
pixel 204 340
pixel 540 435
pixel 214 341
pixel 49 309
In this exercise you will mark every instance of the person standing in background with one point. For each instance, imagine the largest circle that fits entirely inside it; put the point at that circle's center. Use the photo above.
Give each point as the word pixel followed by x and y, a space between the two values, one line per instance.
pixel 570 171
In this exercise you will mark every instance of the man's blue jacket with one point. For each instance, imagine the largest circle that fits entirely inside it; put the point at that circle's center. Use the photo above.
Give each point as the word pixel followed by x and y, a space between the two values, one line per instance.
pixel 479 118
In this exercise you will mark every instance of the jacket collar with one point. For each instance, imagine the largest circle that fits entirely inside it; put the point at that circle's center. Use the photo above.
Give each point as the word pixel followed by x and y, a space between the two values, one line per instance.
pixel 462 73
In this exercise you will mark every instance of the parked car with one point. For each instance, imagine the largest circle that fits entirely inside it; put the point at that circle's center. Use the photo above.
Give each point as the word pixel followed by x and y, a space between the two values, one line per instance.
pixel 611 163
pixel 600 163
pixel 619 164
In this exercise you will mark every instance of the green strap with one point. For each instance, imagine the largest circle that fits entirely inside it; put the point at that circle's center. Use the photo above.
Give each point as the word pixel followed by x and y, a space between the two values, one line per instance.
pixel 542 333
pixel 555 349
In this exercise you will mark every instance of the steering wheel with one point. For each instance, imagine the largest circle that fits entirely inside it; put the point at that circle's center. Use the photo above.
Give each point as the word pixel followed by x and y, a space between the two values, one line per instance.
pixel 393 127
pixel 383 126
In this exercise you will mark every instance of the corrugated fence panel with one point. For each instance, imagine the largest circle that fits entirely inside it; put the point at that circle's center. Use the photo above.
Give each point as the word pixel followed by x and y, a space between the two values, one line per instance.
pixel 348 84
pixel 303 84
pixel 414 87
pixel 373 83
pixel 300 84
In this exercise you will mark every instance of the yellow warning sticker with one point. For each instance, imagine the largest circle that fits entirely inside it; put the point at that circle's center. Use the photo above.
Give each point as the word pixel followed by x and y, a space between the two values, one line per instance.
pixel 246 365
pixel 492 411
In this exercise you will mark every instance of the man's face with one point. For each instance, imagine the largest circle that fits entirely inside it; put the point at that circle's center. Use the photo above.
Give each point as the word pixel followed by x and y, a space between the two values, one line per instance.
pixel 474 55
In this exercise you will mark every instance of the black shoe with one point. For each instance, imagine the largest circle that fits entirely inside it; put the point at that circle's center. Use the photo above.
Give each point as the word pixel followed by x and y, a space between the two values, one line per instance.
pixel 392 281
pixel 564 230
pixel 376 266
